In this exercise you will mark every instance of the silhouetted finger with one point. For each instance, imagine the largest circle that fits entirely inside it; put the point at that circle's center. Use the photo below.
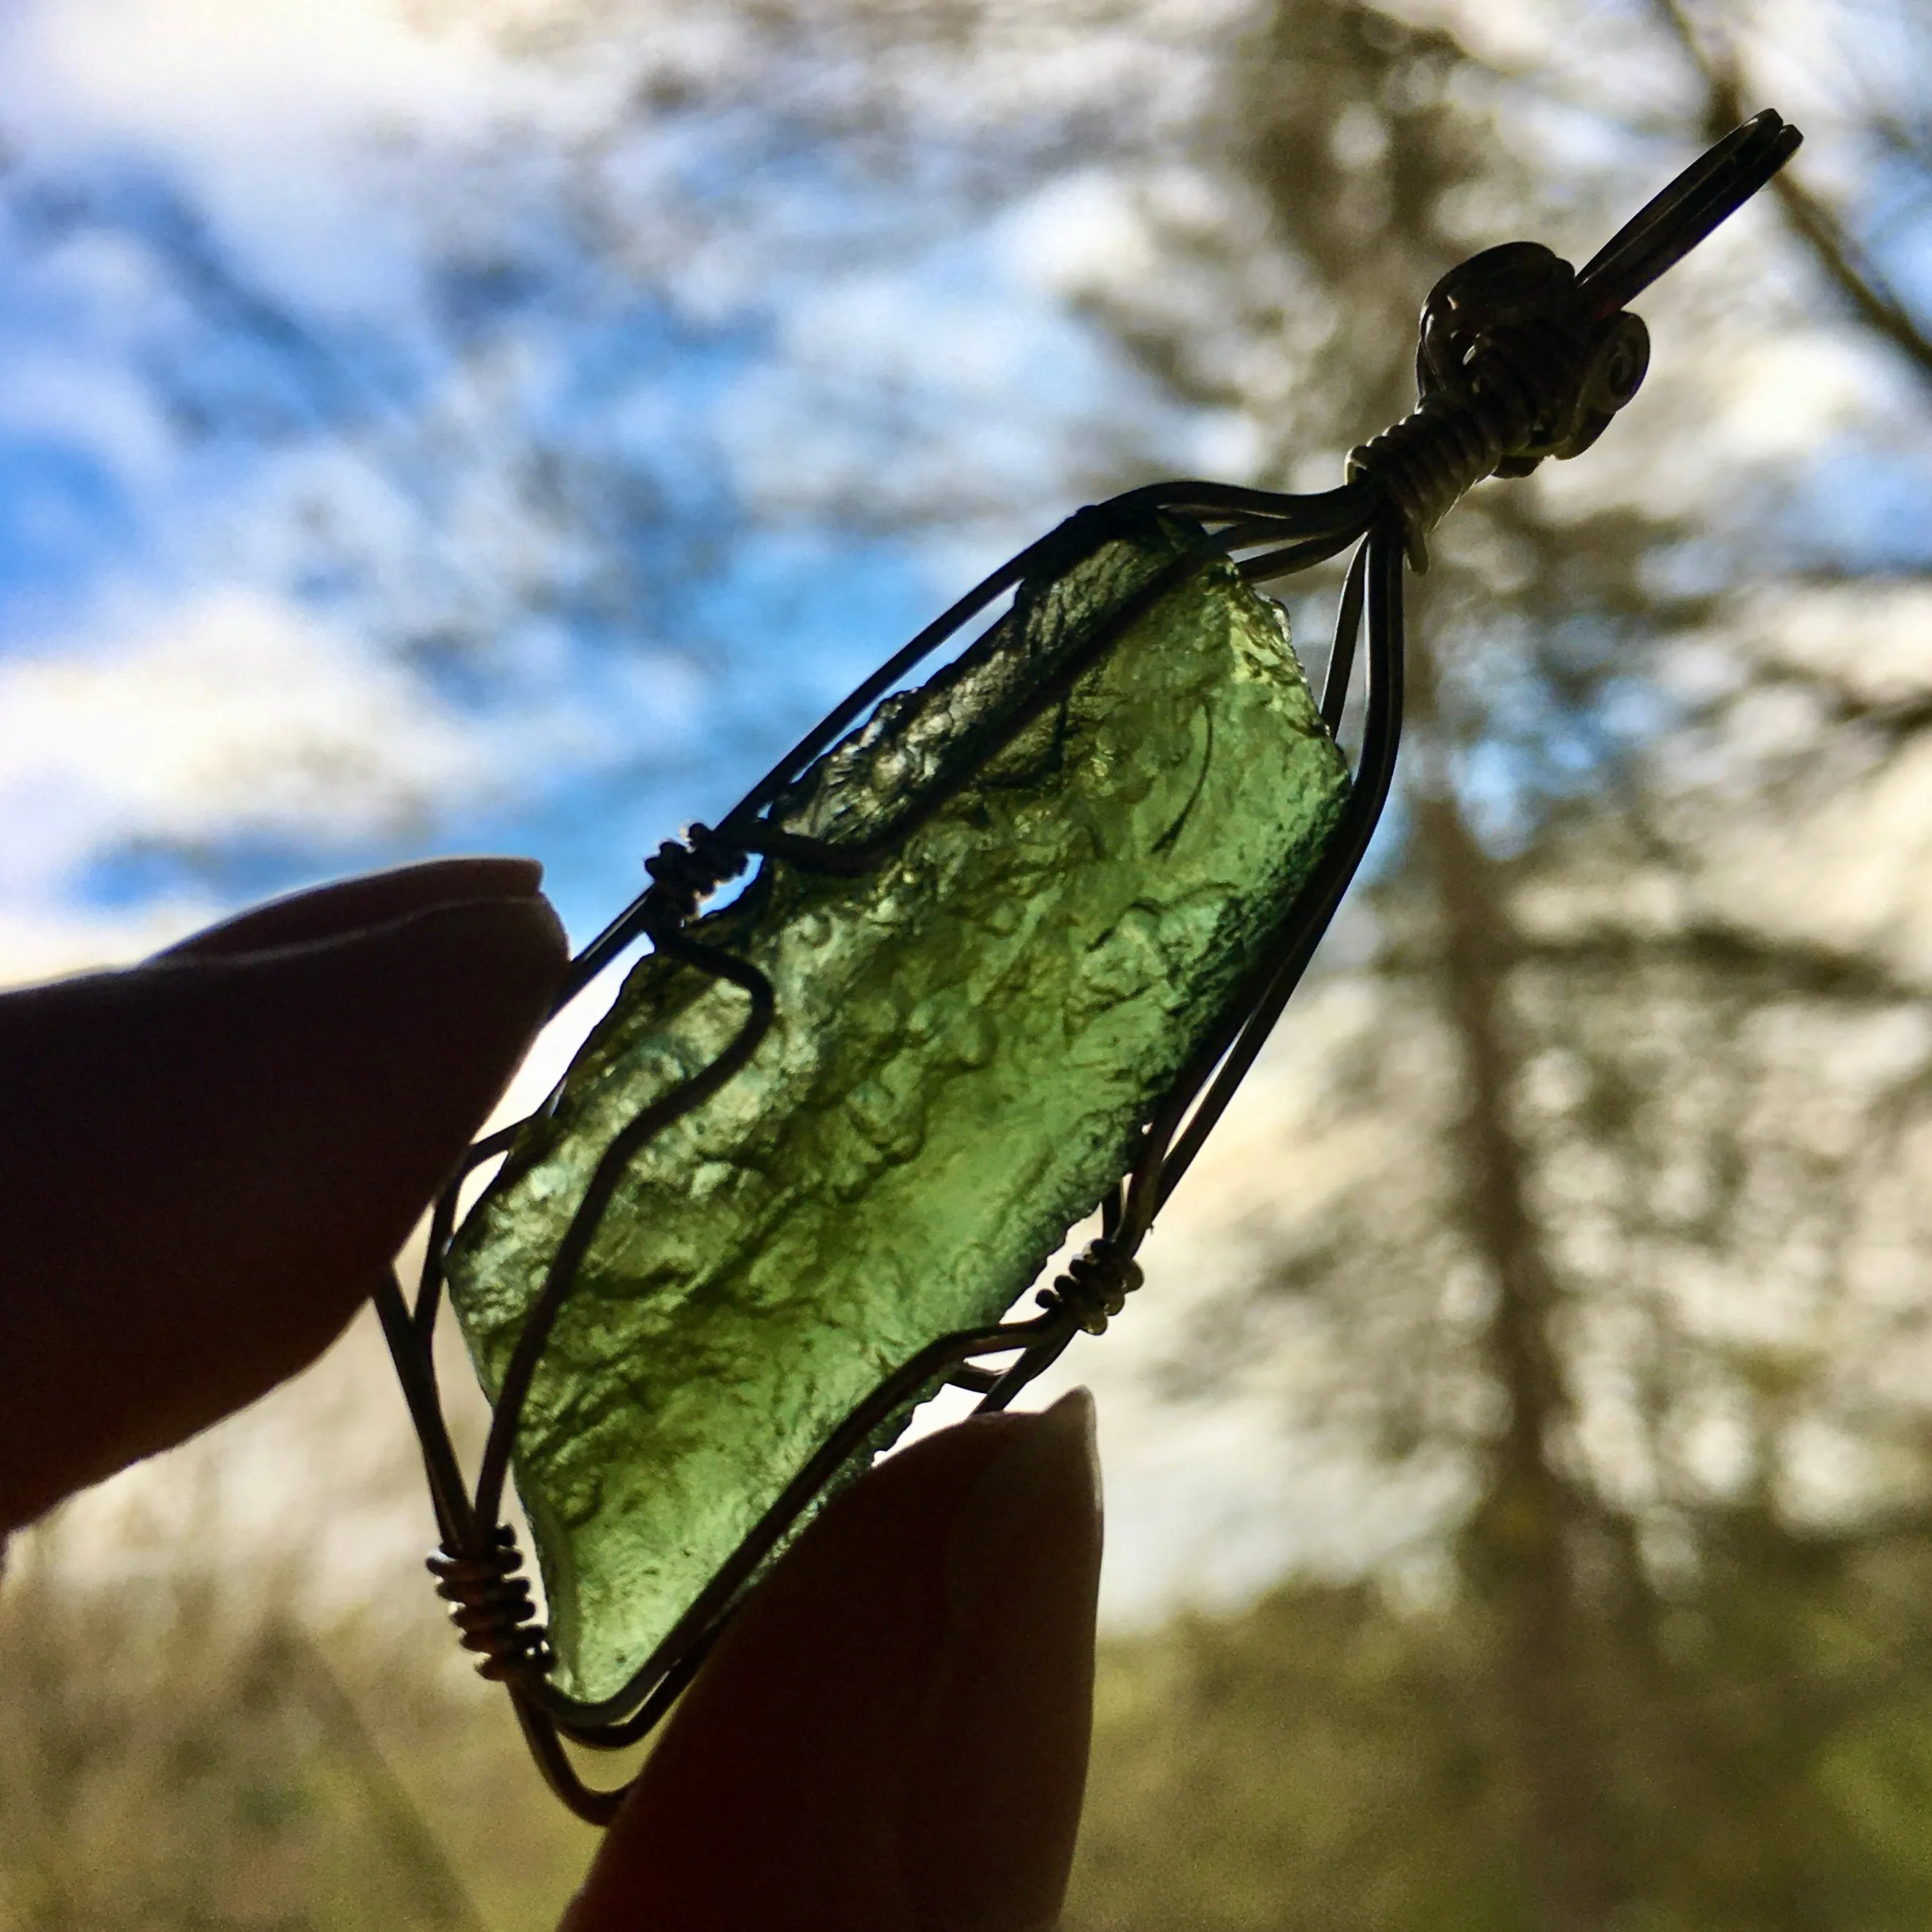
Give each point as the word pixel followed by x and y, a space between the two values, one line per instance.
pixel 206 1161
pixel 892 1736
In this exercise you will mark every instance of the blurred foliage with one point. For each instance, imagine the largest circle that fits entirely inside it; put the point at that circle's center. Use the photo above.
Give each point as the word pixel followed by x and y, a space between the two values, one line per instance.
pixel 1629 1231
pixel 186 1749
pixel 1623 1229
pixel 1331 1758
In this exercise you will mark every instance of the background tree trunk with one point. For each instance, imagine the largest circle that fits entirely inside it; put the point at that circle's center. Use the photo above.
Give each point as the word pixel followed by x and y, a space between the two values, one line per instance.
pixel 1518 1546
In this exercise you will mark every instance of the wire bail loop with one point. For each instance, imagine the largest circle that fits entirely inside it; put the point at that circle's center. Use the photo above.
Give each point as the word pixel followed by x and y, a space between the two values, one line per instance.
pixel 1515 362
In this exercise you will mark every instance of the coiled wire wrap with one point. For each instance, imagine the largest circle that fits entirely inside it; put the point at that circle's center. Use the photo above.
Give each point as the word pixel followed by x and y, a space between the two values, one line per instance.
pixel 1522 395
pixel 1428 462
pixel 1095 1286
pixel 491 1606
pixel 684 873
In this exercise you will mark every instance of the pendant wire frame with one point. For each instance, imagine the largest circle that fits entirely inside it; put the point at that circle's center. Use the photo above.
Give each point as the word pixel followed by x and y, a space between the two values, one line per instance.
pixel 1505 402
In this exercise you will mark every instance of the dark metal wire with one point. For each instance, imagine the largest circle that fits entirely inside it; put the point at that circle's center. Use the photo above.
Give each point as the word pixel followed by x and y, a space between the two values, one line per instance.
pixel 1520 358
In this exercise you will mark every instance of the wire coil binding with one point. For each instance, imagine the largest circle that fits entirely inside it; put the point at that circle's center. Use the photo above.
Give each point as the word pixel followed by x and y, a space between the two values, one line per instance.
pixel 685 872
pixel 1095 1286
pixel 491 1606
pixel 1515 363
pixel 1428 461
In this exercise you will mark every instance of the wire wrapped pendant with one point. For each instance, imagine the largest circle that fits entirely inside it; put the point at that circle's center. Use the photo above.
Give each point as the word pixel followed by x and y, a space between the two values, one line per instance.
pixel 1014 938
pixel 1016 982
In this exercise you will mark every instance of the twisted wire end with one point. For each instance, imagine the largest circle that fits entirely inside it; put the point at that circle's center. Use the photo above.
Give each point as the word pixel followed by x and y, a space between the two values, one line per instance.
pixel 1095 1287
pixel 492 1608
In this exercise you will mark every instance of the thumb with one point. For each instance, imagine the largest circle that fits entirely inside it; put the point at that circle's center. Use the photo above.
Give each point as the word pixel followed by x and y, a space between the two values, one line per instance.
pixel 892 1736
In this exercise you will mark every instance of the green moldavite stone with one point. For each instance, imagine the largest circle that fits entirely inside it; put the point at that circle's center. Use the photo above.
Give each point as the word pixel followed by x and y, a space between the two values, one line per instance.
pixel 968 1039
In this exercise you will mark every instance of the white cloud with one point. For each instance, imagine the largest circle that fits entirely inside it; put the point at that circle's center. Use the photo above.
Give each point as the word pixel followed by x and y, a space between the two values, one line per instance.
pixel 80 397
pixel 1079 231
pixel 299 128
pixel 42 939
pixel 284 68
pixel 232 714
pixel 236 713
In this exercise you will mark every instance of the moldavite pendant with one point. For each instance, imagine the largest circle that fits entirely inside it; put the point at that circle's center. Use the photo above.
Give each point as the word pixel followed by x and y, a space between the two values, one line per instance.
pixel 967 1039
pixel 1022 936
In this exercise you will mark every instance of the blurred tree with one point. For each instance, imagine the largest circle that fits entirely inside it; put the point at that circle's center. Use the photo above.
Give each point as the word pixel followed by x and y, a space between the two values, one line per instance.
pixel 187 1750
pixel 1634 1241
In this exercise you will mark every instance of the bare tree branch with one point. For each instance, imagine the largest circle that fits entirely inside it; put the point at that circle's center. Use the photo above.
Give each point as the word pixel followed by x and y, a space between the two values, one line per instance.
pixel 1847 266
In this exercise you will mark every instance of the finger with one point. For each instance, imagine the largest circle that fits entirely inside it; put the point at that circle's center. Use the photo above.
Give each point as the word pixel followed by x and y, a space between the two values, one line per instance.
pixel 892 1736
pixel 206 1163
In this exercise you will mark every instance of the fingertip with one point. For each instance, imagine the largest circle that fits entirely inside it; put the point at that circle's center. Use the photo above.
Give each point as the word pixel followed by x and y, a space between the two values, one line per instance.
pixel 208 1161
pixel 893 1734
pixel 991 1805
pixel 401 1038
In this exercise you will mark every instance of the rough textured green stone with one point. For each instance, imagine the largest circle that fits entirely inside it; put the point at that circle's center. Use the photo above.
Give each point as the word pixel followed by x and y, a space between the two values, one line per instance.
pixel 966 1041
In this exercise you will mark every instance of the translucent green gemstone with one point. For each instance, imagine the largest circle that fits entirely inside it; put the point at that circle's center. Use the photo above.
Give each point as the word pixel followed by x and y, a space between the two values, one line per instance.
pixel 968 1039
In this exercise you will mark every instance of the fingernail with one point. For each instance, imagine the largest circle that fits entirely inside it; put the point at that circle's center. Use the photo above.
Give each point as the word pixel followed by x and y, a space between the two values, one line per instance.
pixel 986 1836
pixel 350 906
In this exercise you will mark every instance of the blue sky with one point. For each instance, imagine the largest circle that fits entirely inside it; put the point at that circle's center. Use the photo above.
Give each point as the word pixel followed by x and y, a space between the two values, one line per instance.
pixel 519 470
pixel 404 451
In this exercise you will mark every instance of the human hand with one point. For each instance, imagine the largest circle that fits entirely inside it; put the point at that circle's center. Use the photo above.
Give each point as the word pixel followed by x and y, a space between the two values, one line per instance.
pixel 209 1160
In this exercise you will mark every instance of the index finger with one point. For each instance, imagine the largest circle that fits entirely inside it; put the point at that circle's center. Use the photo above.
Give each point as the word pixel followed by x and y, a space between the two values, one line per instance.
pixel 207 1161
